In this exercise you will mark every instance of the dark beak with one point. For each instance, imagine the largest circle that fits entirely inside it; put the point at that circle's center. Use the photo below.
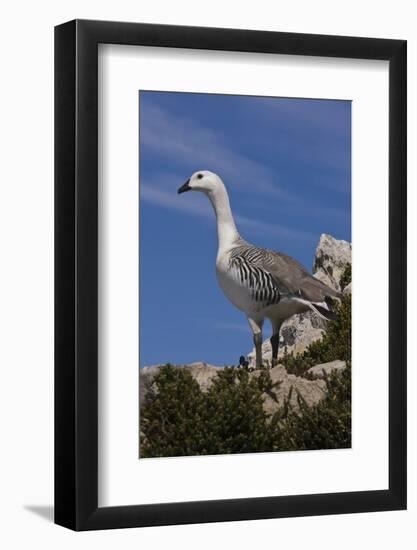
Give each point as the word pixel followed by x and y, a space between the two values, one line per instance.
pixel 185 187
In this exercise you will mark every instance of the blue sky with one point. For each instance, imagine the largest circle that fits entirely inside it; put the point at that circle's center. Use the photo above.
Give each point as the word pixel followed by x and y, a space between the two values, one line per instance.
pixel 287 166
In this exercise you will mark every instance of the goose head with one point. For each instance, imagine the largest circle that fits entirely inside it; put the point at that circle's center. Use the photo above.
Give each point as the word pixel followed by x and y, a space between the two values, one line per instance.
pixel 203 181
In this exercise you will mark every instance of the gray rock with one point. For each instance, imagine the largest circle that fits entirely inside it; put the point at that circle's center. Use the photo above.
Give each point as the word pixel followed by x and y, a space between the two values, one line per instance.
pixel 332 257
pixel 203 373
pixel 324 369
pixel 289 385
pixel 297 333
pixel 348 289
pixel 146 377
pixel 312 391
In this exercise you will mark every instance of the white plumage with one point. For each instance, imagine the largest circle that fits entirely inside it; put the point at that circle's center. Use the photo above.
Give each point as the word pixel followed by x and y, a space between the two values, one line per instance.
pixel 261 283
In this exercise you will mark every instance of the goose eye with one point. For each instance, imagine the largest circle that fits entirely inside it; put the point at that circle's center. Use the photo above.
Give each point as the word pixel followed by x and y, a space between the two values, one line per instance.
pixel 199 176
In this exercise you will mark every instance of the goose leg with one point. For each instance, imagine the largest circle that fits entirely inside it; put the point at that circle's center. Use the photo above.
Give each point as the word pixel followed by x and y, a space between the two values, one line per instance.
pixel 256 327
pixel 276 327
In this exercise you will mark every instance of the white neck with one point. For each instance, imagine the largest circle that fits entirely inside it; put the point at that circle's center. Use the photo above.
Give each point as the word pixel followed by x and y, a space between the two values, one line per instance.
pixel 226 228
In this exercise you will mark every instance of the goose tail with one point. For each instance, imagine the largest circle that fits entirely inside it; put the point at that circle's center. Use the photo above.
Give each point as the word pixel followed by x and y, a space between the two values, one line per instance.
pixel 323 311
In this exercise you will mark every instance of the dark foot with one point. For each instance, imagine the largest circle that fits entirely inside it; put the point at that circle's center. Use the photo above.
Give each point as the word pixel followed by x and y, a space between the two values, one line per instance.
pixel 243 362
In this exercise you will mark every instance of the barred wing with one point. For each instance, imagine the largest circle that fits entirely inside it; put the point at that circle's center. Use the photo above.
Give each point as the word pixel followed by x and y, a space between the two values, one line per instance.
pixel 274 274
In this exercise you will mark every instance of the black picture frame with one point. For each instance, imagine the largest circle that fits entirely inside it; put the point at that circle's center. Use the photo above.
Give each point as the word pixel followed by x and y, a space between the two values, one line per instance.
pixel 76 272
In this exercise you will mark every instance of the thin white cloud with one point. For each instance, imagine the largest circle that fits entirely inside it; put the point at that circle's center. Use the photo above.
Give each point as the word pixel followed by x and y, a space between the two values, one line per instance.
pixel 273 229
pixel 160 197
pixel 193 147
pixel 307 209
pixel 187 143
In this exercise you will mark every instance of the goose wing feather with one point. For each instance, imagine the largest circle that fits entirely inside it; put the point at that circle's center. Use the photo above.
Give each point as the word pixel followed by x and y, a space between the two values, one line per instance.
pixel 290 277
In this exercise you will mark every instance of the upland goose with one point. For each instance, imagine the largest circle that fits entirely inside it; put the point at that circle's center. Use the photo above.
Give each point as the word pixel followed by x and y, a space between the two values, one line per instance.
pixel 261 283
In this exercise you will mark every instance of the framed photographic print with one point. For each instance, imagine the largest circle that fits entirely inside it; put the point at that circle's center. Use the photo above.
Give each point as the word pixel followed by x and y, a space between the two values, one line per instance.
pixel 230 275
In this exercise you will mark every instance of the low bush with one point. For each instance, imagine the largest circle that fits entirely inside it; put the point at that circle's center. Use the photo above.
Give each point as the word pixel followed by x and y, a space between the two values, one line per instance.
pixel 179 419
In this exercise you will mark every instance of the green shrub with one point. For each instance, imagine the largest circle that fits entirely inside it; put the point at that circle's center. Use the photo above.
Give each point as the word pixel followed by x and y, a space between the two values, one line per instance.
pixel 346 277
pixel 172 419
pixel 326 425
pixel 336 342
pixel 179 419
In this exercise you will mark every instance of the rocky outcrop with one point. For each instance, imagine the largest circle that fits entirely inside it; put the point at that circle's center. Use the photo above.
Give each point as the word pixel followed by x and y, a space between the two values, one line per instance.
pixel 348 289
pixel 331 259
pixel 296 335
pixel 289 385
pixel 324 369
pixel 285 385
